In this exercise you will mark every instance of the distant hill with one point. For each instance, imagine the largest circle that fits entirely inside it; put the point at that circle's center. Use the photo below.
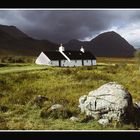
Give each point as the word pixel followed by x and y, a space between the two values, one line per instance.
pixel 108 44
pixel 15 42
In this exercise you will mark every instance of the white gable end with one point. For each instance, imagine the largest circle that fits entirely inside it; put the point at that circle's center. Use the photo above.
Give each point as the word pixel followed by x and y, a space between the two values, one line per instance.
pixel 43 59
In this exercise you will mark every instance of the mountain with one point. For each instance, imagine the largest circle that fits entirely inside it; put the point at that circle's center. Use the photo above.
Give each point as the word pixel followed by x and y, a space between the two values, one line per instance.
pixel 108 44
pixel 15 42
pixel 12 31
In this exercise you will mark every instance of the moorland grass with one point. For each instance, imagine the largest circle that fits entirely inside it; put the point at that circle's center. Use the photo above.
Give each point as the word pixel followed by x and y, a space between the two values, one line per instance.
pixel 18 89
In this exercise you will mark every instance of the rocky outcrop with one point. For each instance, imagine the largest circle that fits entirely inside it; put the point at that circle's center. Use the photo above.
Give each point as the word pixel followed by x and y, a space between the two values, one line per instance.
pixel 109 102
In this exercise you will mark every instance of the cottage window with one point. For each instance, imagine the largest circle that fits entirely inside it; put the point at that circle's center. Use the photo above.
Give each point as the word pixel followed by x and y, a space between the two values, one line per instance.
pixel 75 61
pixel 87 60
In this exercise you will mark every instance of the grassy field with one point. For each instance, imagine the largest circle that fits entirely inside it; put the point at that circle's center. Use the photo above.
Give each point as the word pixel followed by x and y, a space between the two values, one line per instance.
pixel 21 83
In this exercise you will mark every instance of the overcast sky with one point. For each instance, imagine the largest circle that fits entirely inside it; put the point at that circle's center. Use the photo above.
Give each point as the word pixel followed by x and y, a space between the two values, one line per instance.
pixel 61 26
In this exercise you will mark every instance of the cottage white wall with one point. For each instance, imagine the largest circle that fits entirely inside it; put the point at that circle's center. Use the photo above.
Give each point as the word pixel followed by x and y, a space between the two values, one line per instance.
pixel 72 63
pixel 77 62
pixel 93 62
pixel 42 59
pixel 87 63
pixel 63 62
pixel 54 63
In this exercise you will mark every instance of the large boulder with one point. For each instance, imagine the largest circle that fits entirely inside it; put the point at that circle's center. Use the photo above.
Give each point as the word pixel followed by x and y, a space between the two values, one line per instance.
pixel 109 102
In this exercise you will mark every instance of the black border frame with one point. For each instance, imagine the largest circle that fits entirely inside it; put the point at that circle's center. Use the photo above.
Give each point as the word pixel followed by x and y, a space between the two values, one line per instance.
pixel 36 135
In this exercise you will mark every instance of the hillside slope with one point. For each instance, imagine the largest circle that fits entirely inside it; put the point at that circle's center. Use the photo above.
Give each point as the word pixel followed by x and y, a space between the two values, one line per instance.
pixel 15 42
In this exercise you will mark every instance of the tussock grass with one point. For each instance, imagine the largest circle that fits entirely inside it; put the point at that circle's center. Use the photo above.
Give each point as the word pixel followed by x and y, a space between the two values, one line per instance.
pixel 19 88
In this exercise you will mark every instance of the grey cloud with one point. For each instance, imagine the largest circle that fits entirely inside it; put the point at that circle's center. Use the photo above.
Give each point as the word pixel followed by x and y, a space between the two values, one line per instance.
pixel 64 25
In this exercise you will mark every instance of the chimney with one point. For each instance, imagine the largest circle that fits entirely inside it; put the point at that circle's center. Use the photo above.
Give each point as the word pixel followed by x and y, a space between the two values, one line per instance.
pixel 82 49
pixel 61 48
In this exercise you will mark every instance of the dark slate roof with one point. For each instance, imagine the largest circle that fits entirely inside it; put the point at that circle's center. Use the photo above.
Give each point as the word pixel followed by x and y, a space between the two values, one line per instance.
pixel 79 55
pixel 72 55
pixel 54 55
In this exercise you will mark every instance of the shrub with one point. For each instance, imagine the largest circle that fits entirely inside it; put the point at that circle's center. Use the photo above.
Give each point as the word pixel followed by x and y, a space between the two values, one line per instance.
pixel 3 108
pixel 16 59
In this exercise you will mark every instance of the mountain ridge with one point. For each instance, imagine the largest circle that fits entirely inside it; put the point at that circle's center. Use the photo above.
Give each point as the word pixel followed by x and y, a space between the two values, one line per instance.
pixel 14 42
pixel 108 44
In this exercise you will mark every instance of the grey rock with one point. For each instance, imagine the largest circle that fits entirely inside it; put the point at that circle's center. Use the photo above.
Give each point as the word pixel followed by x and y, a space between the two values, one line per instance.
pixel 74 119
pixel 82 99
pixel 103 121
pixel 56 106
pixel 110 101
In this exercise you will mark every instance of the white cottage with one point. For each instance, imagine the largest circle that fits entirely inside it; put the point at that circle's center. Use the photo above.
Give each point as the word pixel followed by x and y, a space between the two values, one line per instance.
pixel 64 58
